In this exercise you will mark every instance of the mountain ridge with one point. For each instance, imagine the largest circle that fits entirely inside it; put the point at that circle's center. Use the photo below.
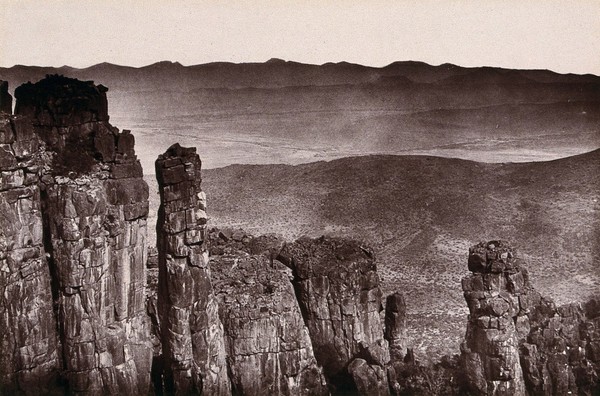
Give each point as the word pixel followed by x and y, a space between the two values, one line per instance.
pixel 309 74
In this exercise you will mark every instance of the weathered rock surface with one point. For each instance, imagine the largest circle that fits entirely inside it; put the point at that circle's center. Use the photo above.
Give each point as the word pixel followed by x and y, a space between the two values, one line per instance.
pixel 29 342
pixel 95 232
pixel 560 354
pixel 191 332
pixel 338 291
pixel 83 327
pixel 490 353
pixel 269 350
pixel 58 101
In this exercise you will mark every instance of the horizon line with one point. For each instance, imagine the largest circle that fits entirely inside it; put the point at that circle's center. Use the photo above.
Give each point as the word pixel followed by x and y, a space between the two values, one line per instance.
pixel 276 60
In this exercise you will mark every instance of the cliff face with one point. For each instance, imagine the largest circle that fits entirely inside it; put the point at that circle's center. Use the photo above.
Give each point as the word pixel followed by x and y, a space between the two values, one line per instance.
pixel 74 253
pixel 95 204
pixel 81 314
pixel 338 291
pixel 29 343
pixel 560 355
pixel 269 350
pixel 191 332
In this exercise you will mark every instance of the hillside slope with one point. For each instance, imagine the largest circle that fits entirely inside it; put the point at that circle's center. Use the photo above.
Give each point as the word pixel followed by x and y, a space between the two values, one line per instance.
pixel 422 213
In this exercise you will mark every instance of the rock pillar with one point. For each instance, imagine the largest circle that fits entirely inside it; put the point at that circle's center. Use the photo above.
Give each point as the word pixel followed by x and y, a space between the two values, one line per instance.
pixel 95 205
pixel 5 98
pixel 490 353
pixel 191 332
pixel 395 325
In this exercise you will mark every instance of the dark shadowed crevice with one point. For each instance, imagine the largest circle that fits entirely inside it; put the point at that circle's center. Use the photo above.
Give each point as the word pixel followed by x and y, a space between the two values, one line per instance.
pixel 54 285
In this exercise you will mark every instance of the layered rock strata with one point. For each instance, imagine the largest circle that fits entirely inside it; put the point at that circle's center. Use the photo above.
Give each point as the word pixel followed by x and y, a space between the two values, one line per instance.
pixel 94 205
pixel 269 351
pixel 191 332
pixel 337 287
pixel 29 343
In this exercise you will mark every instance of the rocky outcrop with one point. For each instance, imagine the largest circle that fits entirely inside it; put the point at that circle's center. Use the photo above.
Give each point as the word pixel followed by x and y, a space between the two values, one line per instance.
pixel 29 343
pixel 337 287
pixel 519 341
pixel 5 98
pixel 269 351
pixel 58 101
pixel 191 332
pixel 560 355
pixel 94 206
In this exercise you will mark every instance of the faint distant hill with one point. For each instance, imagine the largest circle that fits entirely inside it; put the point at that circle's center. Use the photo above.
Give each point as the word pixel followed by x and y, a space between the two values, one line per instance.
pixel 422 213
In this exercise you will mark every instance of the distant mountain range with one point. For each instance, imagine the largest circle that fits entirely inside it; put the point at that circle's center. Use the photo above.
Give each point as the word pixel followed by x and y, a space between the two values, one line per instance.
pixel 277 73
pixel 289 112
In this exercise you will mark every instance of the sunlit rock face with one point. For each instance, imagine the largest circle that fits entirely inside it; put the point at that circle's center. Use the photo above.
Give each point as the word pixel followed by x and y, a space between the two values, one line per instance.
pixel 191 331
pixel 491 348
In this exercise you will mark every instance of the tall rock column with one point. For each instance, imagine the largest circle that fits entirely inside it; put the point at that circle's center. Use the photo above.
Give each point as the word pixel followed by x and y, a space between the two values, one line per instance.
pixel 490 353
pixel 395 325
pixel 94 204
pixel 191 332
pixel 29 356
pixel 337 287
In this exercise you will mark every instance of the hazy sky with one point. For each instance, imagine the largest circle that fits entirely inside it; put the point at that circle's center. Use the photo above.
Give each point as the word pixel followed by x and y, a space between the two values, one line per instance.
pixel 560 35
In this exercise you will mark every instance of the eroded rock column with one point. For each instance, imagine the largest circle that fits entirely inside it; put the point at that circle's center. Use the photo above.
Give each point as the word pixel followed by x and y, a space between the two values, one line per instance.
pixel 337 287
pixel 95 205
pixel 29 347
pixel 395 325
pixel 490 353
pixel 191 332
